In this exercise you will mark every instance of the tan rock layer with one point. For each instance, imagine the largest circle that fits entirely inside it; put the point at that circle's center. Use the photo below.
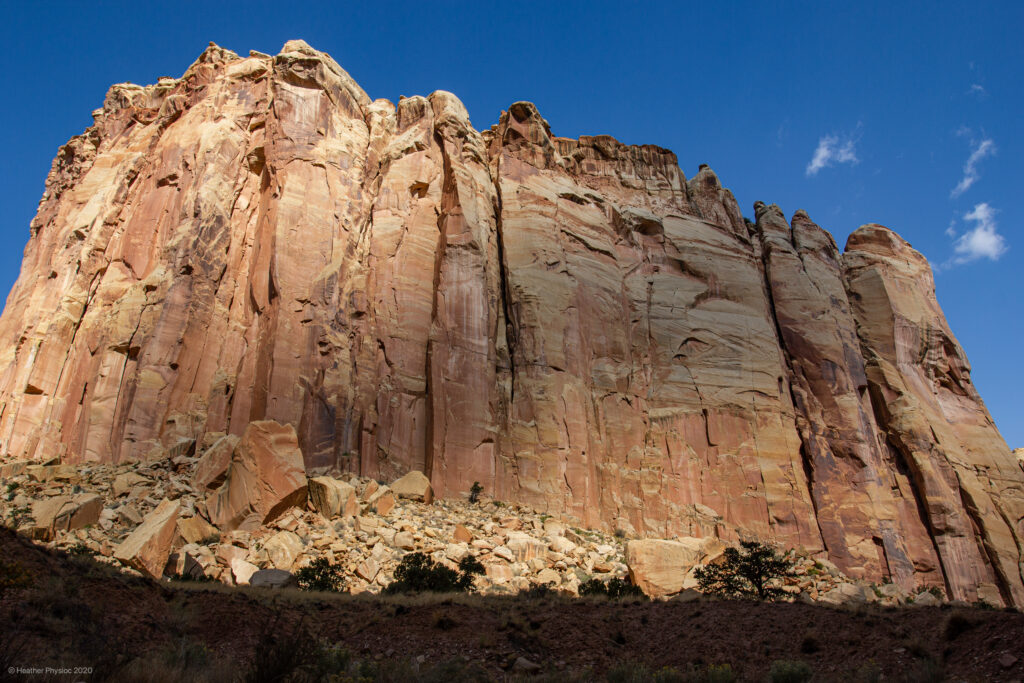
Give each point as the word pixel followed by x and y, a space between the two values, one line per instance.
pixel 571 323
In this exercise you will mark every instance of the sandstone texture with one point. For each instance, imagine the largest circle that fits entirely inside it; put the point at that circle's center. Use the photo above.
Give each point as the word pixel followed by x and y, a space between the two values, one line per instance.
pixel 257 265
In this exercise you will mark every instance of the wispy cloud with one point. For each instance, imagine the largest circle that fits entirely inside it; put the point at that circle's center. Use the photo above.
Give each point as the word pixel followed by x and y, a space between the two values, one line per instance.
pixel 979 151
pixel 977 90
pixel 831 150
pixel 981 241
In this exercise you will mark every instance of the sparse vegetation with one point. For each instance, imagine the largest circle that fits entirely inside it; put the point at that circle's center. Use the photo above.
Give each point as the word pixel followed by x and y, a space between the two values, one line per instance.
pixel 320 575
pixel 614 589
pixel 474 492
pixel 752 573
pixel 418 573
pixel 19 516
pixel 192 578
pixel 81 550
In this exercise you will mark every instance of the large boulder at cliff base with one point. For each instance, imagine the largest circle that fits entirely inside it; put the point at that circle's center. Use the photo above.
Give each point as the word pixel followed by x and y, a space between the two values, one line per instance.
pixel 148 548
pixel 660 567
pixel 64 513
pixel 332 497
pixel 414 486
pixel 266 476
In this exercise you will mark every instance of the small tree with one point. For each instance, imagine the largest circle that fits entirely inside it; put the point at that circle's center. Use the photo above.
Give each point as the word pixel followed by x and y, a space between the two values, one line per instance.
pixel 418 573
pixel 320 575
pixel 746 575
pixel 474 492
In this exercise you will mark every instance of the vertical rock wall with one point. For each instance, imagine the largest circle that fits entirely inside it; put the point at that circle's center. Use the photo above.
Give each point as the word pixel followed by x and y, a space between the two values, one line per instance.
pixel 572 323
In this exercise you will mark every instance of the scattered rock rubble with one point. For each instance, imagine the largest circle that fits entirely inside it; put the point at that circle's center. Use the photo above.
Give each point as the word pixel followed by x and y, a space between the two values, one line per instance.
pixel 156 518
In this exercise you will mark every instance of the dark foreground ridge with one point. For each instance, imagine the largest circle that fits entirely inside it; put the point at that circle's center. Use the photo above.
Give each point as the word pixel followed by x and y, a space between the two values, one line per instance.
pixel 79 613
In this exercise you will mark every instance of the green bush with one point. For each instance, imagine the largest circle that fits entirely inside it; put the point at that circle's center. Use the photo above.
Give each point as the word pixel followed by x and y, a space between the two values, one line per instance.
pixel 320 575
pixel 418 573
pixel 475 491
pixel 616 588
pixel 746 575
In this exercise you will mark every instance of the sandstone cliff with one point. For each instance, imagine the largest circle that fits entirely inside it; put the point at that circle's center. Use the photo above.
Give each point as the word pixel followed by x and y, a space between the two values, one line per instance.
pixel 572 323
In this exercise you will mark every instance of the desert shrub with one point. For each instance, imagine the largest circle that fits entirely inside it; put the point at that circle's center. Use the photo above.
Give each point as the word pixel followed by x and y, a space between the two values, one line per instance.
pixel 192 578
pixel 474 492
pixel 19 516
pixel 321 575
pixel 537 590
pixel 418 573
pixel 81 550
pixel 788 671
pixel 615 588
pixel 747 574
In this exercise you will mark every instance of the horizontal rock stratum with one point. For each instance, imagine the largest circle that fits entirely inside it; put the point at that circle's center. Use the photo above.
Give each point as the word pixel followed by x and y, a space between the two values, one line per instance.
pixel 571 323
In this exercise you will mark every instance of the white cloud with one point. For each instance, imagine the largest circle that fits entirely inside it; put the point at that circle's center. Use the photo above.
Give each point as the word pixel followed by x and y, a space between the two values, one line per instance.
pixel 832 150
pixel 978 90
pixel 981 241
pixel 981 150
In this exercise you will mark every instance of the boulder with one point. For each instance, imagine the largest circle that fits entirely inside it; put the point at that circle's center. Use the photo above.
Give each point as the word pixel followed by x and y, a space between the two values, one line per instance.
pixel 368 569
pixel 525 547
pixel 13 469
pixel 196 529
pixel 989 594
pixel 415 486
pixel 266 477
pixel 462 534
pixel 332 497
pixel 64 513
pixel 212 468
pixel 45 473
pixel 283 548
pixel 129 514
pixel 148 547
pixel 847 594
pixel 660 567
pixel 124 483
pixel 227 553
pixel 184 563
pixel 382 501
pixel 272 578
pixel 242 571
pixel 926 599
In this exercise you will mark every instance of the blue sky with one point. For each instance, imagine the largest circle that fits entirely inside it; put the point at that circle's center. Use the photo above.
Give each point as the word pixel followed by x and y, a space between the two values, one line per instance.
pixel 906 114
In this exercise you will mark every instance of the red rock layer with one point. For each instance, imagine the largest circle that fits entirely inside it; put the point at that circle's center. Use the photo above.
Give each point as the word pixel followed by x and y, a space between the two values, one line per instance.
pixel 571 323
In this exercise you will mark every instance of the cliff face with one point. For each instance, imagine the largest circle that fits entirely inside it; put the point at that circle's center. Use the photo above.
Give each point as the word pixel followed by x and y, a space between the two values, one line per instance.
pixel 571 323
